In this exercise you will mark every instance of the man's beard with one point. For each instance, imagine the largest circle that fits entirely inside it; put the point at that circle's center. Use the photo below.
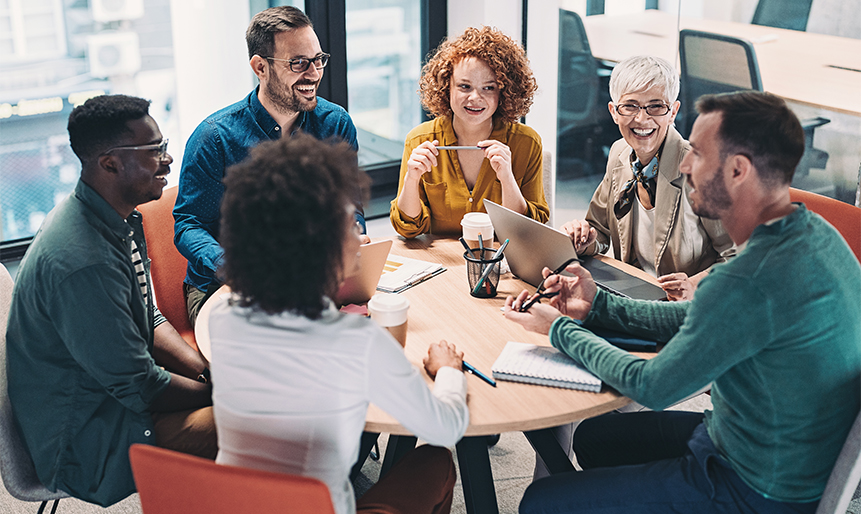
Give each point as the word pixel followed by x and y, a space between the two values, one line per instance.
pixel 715 197
pixel 286 100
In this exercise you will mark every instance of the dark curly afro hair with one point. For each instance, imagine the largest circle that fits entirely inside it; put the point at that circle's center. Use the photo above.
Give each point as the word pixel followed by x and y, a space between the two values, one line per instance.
pixel 284 217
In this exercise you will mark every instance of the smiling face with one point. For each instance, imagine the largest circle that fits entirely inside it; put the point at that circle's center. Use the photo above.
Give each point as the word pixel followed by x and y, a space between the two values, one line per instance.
pixel 704 167
pixel 292 92
pixel 474 93
pixel 141 175
pixel 644 133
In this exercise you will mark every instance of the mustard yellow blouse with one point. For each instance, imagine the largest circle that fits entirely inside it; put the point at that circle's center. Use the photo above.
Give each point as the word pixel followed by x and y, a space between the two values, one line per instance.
pixel 443 192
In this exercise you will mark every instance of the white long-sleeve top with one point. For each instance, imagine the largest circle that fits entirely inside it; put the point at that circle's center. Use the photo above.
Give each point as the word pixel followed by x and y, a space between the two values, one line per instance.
pixel 291 394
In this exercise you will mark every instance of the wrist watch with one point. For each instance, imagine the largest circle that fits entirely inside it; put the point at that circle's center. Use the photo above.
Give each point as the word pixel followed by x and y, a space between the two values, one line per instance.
pixel 204 376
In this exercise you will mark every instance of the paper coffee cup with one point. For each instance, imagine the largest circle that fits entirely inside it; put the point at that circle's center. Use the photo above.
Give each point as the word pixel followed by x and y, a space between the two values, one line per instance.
pixel 390 312
pixel 475 223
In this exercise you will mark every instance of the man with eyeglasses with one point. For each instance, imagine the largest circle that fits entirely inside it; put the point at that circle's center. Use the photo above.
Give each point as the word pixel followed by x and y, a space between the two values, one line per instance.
pixel 289 63
pixel 93 366
pixel 642 205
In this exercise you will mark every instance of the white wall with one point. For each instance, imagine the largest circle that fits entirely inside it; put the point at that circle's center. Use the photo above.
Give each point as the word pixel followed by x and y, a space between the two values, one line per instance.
pixel 211 62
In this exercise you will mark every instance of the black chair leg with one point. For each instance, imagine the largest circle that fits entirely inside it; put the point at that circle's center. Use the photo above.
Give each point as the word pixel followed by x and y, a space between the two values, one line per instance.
pixel 45 504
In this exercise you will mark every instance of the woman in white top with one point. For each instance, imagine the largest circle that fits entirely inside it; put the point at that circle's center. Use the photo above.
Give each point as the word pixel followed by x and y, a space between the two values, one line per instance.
pixel 292 375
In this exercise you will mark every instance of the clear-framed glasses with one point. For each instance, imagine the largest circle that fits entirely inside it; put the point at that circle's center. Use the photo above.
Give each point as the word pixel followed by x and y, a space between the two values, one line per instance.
pixel 651 109
pixel 299 65
pixel 161 148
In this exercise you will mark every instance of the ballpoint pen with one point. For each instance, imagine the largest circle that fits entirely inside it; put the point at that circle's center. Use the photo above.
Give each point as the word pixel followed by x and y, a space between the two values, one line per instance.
pixel 460 148
pixel 468 249
pixel 489 268
pixel 540 292
pixel 469 368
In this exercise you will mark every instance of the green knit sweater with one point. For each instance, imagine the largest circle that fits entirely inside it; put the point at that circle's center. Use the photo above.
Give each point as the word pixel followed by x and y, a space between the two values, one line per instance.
pixel 778 332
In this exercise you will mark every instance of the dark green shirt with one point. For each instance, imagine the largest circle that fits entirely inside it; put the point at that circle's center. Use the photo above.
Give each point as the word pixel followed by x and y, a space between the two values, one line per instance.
pixel 778 332
pixel 79 343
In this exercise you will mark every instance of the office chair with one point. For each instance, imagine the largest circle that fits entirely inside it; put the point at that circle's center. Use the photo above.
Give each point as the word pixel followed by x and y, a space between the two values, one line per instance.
pixel 584 123
pixel 170 482
pixel 782 14
pixel 845 217
pixel 16 466
pixel 715 63
pixel 168 266
pixel 845 475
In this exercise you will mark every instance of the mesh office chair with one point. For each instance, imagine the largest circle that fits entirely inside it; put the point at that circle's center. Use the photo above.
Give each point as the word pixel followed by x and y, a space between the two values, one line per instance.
pixel 16 466
pixel 783 14
pixel 715 63
pixel 584 123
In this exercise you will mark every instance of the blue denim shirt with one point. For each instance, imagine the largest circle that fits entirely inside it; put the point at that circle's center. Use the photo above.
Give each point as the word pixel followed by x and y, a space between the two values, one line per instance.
pixel 220 141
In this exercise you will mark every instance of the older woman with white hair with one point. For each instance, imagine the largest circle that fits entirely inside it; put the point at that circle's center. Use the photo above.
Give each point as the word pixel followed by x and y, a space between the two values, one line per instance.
pixel 642 204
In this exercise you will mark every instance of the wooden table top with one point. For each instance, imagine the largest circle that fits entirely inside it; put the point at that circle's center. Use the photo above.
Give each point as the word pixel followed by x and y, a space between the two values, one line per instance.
pixel 813 69
pixel 442 308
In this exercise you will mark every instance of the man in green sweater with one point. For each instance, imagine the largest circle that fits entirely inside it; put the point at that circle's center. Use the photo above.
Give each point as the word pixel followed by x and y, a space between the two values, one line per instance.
pixel 776 331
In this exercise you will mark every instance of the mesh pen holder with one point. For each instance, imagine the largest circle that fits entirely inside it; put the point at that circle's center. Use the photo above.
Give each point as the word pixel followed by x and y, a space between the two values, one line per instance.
pixel 483 273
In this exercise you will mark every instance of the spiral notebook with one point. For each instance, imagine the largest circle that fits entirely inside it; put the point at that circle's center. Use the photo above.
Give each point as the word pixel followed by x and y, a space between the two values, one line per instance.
pixel 542 365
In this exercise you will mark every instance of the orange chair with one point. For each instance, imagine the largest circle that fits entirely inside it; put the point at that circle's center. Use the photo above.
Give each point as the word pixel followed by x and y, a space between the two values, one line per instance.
pixel 168 265
pixel 170 482
pixel 846 218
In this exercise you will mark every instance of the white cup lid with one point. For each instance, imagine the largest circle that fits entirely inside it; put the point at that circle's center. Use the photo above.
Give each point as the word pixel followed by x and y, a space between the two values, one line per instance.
pixel 389 310
pixel 476 219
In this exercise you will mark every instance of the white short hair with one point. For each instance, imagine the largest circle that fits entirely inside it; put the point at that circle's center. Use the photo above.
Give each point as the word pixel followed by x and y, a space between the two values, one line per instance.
pixel 643 72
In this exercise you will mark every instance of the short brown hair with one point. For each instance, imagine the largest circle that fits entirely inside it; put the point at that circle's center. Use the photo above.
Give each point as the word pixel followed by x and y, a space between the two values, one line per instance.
pixel 260 36
pixel 283 220
pixel 761 127
pixel 505 57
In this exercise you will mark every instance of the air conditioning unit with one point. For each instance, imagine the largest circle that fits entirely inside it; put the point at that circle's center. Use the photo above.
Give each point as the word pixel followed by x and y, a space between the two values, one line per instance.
pixel 114 53
pixel 115 10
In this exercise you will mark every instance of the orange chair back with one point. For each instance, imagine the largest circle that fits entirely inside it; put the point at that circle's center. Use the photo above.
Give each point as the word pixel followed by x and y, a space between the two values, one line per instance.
pixel 168 266
pixel 845 218
pixel 175 483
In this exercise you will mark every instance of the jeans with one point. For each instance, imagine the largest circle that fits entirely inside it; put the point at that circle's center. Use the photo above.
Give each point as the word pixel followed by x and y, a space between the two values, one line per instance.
pixel 649 462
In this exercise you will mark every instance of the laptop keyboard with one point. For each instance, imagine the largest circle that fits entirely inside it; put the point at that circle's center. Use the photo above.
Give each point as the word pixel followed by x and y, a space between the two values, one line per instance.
pixel 611 290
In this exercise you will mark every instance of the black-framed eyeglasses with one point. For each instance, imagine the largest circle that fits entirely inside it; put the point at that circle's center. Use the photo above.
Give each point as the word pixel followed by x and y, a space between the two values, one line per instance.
pixel 161 147
pixel 300 64
pixel 651 109
pixel 539 294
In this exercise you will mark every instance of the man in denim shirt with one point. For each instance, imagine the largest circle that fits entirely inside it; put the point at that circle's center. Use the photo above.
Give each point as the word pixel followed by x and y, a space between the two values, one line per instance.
pixel 93 367
pixel 288 61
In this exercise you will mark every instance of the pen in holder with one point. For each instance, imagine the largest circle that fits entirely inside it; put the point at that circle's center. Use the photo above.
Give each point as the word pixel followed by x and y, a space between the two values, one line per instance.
pixel 483 272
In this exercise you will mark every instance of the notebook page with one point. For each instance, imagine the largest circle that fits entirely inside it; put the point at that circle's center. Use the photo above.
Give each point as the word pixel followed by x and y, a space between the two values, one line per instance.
pixel 529 360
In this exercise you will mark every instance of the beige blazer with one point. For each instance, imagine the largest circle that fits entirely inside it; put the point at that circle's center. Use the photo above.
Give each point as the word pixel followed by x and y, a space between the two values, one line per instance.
pixel 683 241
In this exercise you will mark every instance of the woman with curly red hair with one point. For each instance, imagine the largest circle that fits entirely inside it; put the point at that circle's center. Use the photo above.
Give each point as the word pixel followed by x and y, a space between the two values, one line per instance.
pixel 476 87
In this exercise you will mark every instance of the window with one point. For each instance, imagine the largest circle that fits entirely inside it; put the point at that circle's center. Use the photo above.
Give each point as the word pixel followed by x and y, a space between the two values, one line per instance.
pixel 383 67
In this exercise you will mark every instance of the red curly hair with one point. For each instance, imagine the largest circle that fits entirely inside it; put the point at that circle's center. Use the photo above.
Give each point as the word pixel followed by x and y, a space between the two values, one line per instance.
pixel 502 54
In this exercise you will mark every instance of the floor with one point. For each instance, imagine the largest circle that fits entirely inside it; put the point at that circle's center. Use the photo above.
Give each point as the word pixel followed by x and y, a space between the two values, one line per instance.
pixel 512 459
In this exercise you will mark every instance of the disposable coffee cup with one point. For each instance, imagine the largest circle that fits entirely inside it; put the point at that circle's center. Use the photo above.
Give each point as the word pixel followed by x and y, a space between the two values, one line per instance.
pixel 475 223
pixel 390 312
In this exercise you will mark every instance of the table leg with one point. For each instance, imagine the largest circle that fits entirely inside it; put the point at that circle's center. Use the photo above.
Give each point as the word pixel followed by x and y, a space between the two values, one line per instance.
pixel 548 447
pixel 368 440
pixel 476 476
pixel 397 447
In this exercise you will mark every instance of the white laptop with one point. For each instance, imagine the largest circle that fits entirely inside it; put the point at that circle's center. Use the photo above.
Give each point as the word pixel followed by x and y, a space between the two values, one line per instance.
pixel 360 286
pixel 533 246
